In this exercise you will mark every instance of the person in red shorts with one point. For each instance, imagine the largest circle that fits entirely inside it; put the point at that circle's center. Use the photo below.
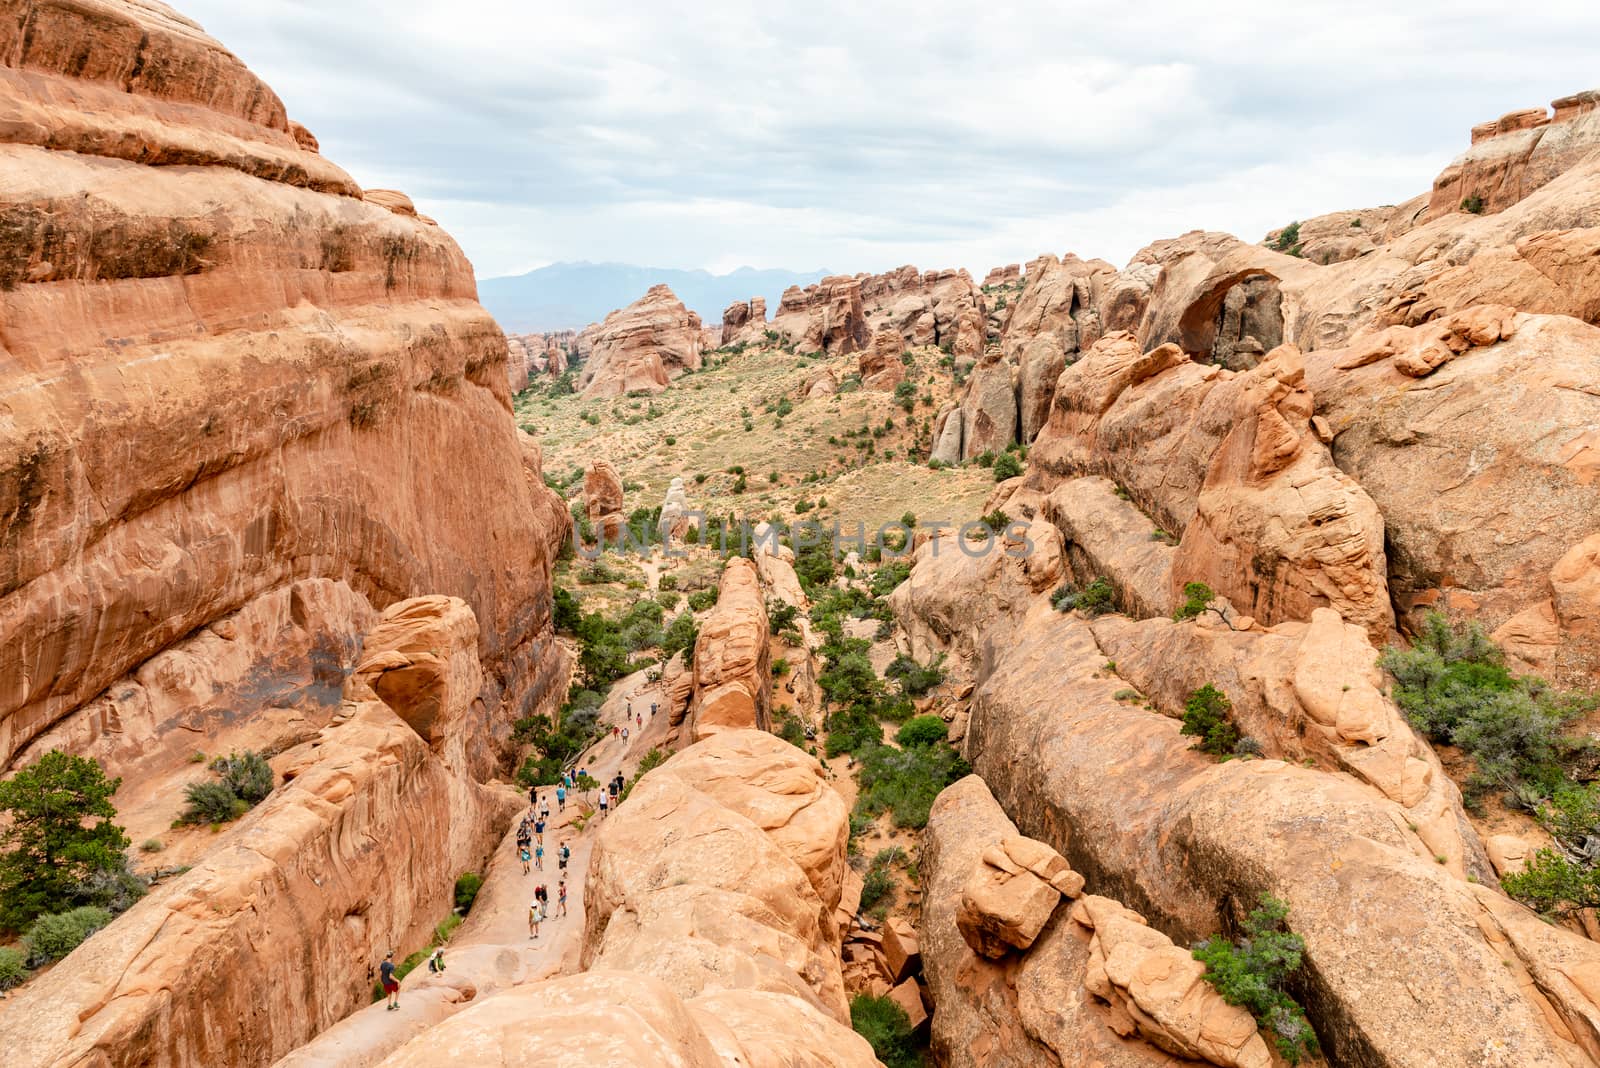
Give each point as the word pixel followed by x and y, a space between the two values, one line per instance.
pixel 391 985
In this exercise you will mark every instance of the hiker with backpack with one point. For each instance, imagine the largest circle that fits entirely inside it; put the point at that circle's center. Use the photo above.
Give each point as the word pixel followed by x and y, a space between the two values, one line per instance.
pixel 391 985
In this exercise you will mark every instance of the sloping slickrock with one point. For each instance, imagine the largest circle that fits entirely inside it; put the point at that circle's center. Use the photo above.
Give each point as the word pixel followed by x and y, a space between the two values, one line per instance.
pixel 286 898
pixel 1305 692
pixel 1106 536
pixel 1027 1011
pixel 989 410
pixel 1178 837
pixel 640 348
pixel 301 382
pixel 731 657
pixel 1511 481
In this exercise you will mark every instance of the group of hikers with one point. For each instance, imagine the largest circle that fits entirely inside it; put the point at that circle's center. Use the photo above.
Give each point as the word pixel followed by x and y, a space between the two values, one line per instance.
pixel 530 850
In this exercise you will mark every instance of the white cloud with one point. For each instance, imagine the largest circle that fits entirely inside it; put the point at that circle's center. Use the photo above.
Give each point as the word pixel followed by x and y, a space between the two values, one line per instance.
pixel 862 136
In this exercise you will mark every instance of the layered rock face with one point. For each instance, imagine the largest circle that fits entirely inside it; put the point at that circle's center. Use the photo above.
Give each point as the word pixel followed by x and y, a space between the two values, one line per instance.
pixel 743 320
pixel 1230 462
pixel 709 938
pixel 641 347
pixel 298 897
pixel 923 307
pixel 1516 154
pixel 1158 827
pixel 302 383
pixel 532 355
pixel 603 500
pixel 880 363
pixel 826 317
pixel 732 658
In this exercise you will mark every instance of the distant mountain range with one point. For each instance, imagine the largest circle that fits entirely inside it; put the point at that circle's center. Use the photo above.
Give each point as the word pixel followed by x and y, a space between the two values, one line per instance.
pixel 572 295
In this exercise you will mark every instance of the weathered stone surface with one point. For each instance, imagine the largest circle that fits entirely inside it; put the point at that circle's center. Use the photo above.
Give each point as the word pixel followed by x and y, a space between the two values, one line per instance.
pixel 1517 154
pixel 1019 1012
pixel 301 383
pixel 732 658
pixel 641 347
pixel 1512 480
pixel 1164 834
pixel 1011 894
pixel 1105 536
pixel 286 896
pixel 827 317
pixel 880 364
pixel 1158 987
pixel 603 500
pixel 989 419
pixel 1227 461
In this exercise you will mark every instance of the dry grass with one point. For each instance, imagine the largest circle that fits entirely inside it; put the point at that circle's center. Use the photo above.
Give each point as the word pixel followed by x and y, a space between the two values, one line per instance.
pixel 819 451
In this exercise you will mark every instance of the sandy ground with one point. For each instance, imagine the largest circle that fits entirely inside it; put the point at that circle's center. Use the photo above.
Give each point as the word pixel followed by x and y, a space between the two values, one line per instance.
pixel 492 950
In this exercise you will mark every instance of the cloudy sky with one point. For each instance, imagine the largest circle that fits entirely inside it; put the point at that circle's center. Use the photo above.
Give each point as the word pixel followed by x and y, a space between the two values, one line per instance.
pixel 863 135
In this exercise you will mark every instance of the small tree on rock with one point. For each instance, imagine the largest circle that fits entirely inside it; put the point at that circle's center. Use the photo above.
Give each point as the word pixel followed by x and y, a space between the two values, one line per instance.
pixel 60 835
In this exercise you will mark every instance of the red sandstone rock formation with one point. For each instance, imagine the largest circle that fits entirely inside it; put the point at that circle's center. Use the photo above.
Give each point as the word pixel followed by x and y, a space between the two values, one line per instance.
pixel 731 670
pixel 1516 154
pixel 603 500
pixel 826 317
pixel 880 365
pixel 641 347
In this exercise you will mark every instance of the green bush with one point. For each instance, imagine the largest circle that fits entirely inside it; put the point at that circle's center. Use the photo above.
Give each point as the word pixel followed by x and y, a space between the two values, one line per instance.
pixel 887 1029
pixel 791 730
pixel 1472 205
pixel 53 935
pixel 1206 716
pixel 1555 886
pixel 886 578
pixel 1452 684
pixel 916 679
pixel 247 774
pixel 904 782
pixel 923 730
pixel 700 600
pixel 468 883
pixel 681 634
pixel 58 836
pixel 1096 599
pixel 668 582
pixel 780 616
pixel 539 771
pixel 1251 973
pixel 1006 465
pixel 877 885
pixel 13 968
pixel 211 802
pixel 1196 595
pixel 1288 237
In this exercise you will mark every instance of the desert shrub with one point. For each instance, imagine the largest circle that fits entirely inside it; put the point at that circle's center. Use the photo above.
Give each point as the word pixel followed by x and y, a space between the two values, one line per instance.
pixel 814 566
pixel 1472 205
pixel 1554 885
pixel 1453 685
pixel 916 679
pixel 668 600
pixel 247 774
pixel 1196 595
pixel 1206 716
pixel 115 890
pixel 151 845
pixel 681 634
pixel 904 782
pixel 1251 972
pixel 13 968
pixel 1288 237
pixel 780 616
pixel 53 935
pixel 848 678
pixel 905 395
pixel 997 521
pixel 922 730
pixel 1006 465
pixel 211 802
pixel 791 730
pixel 887 1029
pixel 887 577
pixel 539 771
pixel 1096 599
pixel 877 882
pixel 58 835
pixel 566 611
pixel 700 600
pixel 468 883
pixel 1248 747
pixel 852 730
pixel 668 582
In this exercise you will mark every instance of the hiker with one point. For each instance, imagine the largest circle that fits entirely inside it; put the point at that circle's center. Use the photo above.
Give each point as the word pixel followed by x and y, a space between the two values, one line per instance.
pixel 561 798
pixel 603 805
pixel 522 851
pixel 561 892
pixel 535 917
pixel 436 962
pixel 624 736
pixel 562 856
pixel 638 719
pixel 538 830
pixel 538 856
pixel 391 985
pixel 533 796
pixel 544 810
pixel 652 710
